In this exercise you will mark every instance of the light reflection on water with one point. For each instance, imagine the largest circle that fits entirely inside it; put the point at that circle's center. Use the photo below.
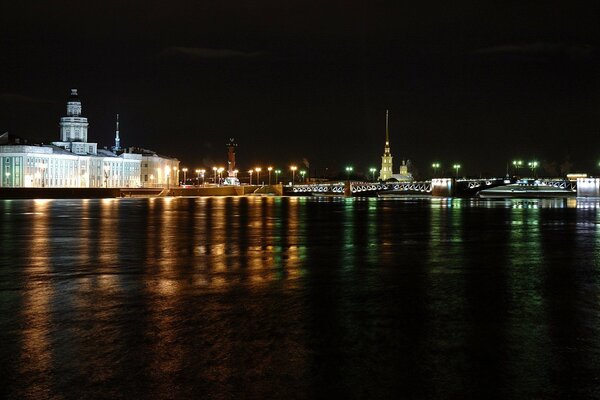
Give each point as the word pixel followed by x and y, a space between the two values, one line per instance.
pixel 299 297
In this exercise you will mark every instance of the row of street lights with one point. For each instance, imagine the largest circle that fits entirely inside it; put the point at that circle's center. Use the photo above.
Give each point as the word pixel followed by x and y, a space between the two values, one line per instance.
pixel 436 166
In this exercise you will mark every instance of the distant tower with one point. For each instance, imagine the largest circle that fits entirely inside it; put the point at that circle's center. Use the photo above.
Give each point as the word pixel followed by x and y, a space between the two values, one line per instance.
pixel 73 127
pixel 117 146
pixel 231 157
pixel 386 159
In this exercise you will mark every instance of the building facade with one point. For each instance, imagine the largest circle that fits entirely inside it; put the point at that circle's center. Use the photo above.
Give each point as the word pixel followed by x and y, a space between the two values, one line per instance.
pixel 74 162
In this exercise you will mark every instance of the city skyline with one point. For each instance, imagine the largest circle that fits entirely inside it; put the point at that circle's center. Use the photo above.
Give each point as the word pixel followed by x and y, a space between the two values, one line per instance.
pixel 474 84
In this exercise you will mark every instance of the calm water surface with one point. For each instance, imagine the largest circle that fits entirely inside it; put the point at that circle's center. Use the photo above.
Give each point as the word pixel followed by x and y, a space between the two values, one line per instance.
pixel 241 297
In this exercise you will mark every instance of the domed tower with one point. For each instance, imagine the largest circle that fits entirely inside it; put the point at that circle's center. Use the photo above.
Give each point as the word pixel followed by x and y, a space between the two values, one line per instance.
pixel 73 127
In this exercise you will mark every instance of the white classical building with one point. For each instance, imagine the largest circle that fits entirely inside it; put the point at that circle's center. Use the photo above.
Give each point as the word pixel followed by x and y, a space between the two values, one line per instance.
pixel 73 161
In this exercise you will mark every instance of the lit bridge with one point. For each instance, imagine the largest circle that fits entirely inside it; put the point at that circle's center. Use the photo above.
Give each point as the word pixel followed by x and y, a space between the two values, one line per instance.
pixel 436 187
pixel 359 187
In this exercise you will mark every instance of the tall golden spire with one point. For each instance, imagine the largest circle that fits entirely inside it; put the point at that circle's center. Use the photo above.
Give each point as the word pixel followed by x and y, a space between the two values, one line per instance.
pixel 387 131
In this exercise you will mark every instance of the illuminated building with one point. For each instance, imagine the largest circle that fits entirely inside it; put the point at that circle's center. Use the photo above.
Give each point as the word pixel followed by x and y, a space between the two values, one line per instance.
pixel 74 162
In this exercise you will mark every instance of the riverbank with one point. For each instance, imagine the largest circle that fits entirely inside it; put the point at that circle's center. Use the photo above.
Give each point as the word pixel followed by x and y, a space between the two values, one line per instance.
pixel 100 193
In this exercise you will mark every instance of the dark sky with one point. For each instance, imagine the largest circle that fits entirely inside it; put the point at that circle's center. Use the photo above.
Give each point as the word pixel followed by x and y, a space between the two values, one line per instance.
pixel 479 82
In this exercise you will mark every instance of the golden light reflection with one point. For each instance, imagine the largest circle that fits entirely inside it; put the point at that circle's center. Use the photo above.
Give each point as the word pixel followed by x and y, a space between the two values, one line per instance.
pixel 36 350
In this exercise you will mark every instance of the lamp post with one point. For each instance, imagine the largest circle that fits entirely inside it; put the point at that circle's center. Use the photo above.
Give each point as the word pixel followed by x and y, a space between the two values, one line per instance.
pixel 220 171
pixel 302 173
pixel 373 170
pixel 435 167
pixel 349 169
pixel 185 170
pixel 270 169
pixel 277 172
pixel 215 172
pixel 258 169
pixel 202 172
pixel 516 165
pixel 293 168
pixel 533 165
pixel 250 172
pixel 456 167
pixel 198 177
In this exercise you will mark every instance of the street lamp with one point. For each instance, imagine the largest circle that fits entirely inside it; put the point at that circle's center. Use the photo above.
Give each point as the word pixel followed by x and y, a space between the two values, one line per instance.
pixel 373 170
pixel 456 167
pixel 533 165
pixel 215 178
pixel 277 172
pixel 258 169
pixel 198 177
pixel 516 165
pixel 185 170
pixel 250 172
pixel 202 172
pixel 435 167
pixel 270 169
pixel 293 168
pixel 302 173
pixel 349 169
pixel 220 171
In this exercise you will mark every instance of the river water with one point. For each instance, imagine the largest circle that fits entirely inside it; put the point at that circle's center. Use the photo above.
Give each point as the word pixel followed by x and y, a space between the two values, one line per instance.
pixel 248 297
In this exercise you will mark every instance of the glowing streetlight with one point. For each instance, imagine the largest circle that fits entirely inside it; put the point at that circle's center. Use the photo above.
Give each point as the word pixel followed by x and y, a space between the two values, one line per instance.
pixel 235 172
pixel 220 171
pixel 270 169
pixel 215 178
pixel 185 170
pixel 516 165
pixel 258 169
pixel 202 172
pixel 277 172
pixel 250 171
pixel 302 173
pixel 197 177
pixel 293 168
pixel 435 167
pixel 349 169
pixel 373 170
pixel 456 167
pixel 533 165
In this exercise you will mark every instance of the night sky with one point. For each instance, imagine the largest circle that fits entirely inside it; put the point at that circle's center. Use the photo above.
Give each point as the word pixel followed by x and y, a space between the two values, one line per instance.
pixel 476 83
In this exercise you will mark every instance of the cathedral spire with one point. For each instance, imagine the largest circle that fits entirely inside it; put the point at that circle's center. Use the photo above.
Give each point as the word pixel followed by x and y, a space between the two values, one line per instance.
pixel 387 130
pixel 117 138
pixel 386 159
